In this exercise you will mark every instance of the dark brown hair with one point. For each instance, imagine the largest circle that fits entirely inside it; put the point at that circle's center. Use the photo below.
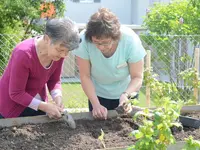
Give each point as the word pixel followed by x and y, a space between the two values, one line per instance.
pixel 103 24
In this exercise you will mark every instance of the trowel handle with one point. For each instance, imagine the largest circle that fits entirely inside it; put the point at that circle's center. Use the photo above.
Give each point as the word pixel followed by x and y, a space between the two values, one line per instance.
pixel 133 95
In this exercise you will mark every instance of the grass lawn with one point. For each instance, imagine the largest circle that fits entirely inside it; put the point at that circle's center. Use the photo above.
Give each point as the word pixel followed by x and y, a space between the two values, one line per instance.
pixel 74 97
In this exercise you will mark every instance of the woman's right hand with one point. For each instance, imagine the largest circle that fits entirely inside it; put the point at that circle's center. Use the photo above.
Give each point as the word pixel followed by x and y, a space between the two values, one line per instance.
pixel 52 110
pixel 99 112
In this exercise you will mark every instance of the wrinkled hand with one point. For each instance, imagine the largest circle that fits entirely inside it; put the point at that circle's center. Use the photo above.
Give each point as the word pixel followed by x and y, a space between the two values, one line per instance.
pixel 123 101
pixel 99 112
pixel 53 111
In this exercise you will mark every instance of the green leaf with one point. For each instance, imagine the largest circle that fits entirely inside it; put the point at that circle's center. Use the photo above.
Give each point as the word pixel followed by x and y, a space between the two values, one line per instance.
pixel 101 137
pixel 137 134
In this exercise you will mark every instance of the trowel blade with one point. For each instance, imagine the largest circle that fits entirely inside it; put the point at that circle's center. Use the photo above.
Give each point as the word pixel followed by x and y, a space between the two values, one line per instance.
pixel 69 119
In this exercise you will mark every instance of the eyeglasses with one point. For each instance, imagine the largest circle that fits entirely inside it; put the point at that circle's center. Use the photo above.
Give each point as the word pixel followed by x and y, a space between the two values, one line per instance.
pixel 105 43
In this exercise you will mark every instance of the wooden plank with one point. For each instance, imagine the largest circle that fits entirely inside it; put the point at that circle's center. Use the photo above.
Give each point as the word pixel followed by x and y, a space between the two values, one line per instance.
pixel 84 115
pixel 178 146
pixel 148 68
pixel 186 109
pixel 190 109
pixel 45 119
pixel 197 75
pixel 24 120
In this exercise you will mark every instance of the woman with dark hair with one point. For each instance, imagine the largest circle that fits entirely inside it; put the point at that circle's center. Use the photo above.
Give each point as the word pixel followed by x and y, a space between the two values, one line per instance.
pixel 110 60
pixel 36 64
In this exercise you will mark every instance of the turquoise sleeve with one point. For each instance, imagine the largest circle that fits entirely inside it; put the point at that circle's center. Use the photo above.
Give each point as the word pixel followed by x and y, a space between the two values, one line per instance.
pixel 136 50
pixel 82 51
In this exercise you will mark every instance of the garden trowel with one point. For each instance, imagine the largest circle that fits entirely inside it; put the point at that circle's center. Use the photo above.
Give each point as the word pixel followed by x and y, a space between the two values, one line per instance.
pixel 127 106
pixel 132 110
pixel 69 119
pixel 129 109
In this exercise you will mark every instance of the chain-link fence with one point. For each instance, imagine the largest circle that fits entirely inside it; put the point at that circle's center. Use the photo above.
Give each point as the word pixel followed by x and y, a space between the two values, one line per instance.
pixel 170 56
pixel 173 60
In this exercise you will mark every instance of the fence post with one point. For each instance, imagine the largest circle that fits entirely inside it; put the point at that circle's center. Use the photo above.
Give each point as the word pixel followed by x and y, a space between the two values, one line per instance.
pixel 196 65
pixel 148 69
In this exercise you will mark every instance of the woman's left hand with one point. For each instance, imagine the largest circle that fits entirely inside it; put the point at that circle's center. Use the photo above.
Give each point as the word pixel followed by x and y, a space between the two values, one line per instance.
pixel 123 101
pixel 59 102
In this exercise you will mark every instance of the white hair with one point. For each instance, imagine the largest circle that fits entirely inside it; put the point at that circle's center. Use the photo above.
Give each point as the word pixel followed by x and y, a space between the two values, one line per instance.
pixel 63 30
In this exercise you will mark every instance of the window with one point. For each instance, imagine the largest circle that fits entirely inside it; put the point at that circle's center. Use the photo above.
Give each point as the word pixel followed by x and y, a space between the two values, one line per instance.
pixel 151 2
pixel 156 1
pixel 75 1
pixel 86 1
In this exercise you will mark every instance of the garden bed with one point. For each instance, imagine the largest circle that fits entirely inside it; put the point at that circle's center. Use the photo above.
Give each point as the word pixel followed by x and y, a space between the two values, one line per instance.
pixel 57 135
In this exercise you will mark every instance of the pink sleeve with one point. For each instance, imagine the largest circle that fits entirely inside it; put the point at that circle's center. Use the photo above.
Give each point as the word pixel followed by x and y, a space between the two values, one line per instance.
pixel 35 104
pixel 55 81
pixel 55 93
pixel 18 78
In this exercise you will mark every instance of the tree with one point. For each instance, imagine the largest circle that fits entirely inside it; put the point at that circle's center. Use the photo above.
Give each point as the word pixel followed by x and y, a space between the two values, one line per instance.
pixel 23 14
pixel 18 20
pixel 180 17
pixel 173 32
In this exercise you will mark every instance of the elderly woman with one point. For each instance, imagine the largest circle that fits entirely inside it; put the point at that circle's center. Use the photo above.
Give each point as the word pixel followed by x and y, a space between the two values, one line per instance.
pixel 36 64
pixel 110 60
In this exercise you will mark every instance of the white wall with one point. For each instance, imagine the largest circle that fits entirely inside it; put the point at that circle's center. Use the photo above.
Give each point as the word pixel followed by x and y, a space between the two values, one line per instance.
pixel 81 12
pixel 139 10
pixel 128 11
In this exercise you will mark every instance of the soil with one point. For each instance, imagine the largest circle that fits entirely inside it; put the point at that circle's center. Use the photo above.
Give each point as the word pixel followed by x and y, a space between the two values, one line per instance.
pixel 193 115
pixel 58 136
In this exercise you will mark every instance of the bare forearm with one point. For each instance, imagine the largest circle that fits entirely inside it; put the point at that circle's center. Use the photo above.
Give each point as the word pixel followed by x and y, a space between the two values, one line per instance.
pixel 89 90
pixel 134 85
pixel 57 98
pixel 42 106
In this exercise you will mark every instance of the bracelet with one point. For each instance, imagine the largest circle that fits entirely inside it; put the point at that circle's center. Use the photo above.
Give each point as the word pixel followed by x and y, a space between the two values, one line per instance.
pixel 127 94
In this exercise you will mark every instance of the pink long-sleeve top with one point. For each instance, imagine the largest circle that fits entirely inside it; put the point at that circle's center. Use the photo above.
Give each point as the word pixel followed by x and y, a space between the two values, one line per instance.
pixel 25 78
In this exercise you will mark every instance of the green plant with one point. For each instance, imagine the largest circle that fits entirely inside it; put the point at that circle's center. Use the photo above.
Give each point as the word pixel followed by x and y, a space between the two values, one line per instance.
pixel 161 90
pixel 154 133
pixel 189 74
pixel 173 29
pixel 191 144
pixel 101 138
pixel 178 17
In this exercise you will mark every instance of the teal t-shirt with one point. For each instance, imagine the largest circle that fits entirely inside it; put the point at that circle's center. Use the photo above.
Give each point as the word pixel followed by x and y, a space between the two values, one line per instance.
pixel 111 75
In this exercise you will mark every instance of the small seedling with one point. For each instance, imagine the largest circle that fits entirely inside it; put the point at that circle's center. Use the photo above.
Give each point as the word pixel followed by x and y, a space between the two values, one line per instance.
pixel 101 138
pixel 191 144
